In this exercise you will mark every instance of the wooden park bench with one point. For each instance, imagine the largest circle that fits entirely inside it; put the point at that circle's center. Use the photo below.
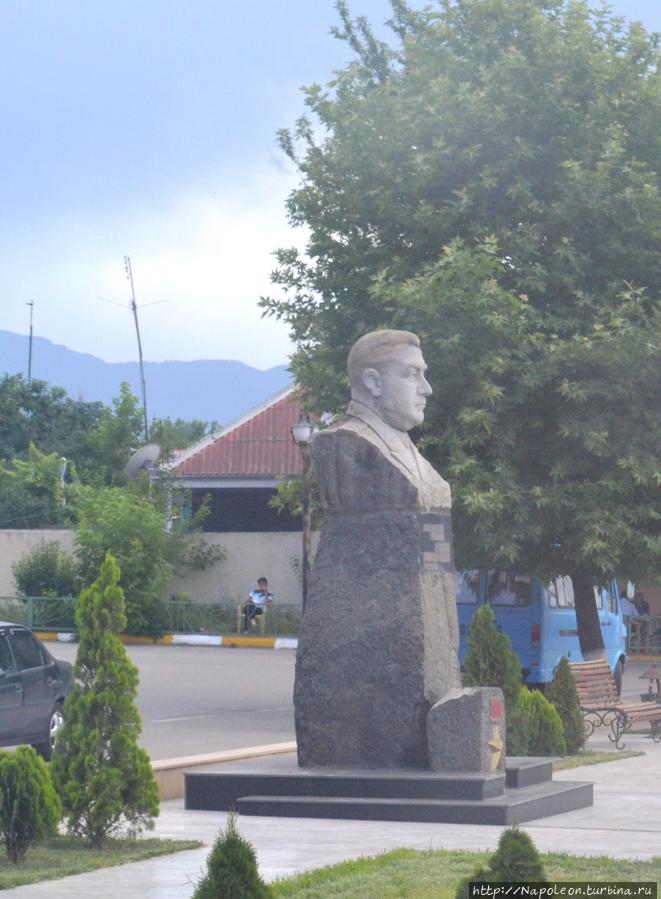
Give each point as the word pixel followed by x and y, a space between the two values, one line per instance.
pixel 601 704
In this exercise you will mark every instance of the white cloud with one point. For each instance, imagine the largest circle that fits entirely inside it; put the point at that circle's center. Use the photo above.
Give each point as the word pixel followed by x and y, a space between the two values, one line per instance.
pixel 209 256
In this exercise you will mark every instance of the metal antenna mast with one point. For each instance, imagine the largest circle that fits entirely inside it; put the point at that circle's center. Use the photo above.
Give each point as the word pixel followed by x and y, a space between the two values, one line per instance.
pixel 31 305
pixel 134 310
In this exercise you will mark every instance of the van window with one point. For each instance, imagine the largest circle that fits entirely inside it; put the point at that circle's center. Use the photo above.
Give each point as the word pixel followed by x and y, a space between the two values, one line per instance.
pixel 468 584
pixel 605 599
pixel 561 593
pixel 508 588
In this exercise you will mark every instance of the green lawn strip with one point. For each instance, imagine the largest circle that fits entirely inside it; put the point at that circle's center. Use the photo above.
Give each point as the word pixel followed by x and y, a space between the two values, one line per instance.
pixel 62 856
pixel 410 874
pixel 593 758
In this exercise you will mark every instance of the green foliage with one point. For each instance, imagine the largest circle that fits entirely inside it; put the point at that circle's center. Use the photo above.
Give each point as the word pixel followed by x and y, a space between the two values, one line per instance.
pixel 518 731
pixel 516 860
pixel 126 524
pixel 32 492
pixel 29 806
pixel 104 778
pixel 179 434
pixel 118 434
pixel 34 412
pixel 546 734
pixel 565 699
pixel 47 571
pixel 491 662
pixel 490 180
pixel 192 551
pixel 463 887
pixel 231 868
pixel 288 497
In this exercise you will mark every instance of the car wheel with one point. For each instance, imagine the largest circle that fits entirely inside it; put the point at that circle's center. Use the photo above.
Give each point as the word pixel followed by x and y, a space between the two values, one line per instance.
pixel 618 676
pixel 55 724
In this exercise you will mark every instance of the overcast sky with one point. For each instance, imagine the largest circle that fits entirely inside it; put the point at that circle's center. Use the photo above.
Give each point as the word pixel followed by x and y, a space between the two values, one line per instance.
pixel 147 128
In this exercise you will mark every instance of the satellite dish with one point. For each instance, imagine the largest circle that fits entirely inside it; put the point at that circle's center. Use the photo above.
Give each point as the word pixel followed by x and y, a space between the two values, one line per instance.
pixel 143 459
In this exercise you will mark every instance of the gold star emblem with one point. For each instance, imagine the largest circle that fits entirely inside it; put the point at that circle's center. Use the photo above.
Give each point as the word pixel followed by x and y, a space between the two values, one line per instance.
pixel 495 744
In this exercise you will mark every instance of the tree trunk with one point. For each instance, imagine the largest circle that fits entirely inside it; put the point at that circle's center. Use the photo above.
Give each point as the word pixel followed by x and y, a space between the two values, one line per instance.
pixel 587 616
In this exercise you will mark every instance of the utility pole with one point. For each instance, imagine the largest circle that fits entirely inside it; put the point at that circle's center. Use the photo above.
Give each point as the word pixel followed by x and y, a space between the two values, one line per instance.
pixel 134 310
pixel 31 305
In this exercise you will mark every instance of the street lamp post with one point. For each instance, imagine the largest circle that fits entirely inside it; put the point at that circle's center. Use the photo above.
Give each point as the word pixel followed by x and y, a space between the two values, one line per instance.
pixel 301 434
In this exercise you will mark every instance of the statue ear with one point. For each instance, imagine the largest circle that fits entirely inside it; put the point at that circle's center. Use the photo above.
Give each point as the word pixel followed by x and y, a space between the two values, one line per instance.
pixel 372 380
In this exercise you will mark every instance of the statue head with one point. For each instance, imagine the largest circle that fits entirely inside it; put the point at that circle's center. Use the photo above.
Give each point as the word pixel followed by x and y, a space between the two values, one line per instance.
pixel 387 374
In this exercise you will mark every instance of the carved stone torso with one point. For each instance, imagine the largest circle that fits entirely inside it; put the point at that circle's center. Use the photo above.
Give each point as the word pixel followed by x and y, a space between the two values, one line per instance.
pixel 379 639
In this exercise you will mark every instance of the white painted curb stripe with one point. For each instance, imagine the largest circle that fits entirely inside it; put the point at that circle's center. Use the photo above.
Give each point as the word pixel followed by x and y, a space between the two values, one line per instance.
pixel 197 639
pixel 286 643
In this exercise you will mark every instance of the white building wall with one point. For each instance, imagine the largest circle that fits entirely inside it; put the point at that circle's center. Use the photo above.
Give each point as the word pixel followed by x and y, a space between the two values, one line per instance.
pixel 15 544
pixel 249 555
pixel 275 555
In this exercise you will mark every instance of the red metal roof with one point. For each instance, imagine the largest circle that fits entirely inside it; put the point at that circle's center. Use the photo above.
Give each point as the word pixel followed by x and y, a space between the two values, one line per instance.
pixel 259 445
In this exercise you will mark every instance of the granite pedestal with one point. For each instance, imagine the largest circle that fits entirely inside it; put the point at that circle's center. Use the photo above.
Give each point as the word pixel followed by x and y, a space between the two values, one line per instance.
pixel 278 787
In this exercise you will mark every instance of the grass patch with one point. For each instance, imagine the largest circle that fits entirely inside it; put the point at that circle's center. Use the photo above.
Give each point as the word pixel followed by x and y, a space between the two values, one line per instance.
pixel 593 758
pixel 62 856
pixel 410 874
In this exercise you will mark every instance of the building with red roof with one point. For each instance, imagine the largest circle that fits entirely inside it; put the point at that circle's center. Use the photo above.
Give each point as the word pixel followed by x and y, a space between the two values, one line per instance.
pixel 239 468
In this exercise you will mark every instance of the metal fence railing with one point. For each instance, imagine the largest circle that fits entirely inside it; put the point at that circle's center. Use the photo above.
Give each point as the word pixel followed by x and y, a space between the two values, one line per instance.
pixel 221 618
pixel 56 613
pixel 46 613
pixel 644 635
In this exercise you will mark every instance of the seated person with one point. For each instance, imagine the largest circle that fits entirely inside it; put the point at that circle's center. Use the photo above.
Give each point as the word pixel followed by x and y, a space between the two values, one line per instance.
pixel 255 602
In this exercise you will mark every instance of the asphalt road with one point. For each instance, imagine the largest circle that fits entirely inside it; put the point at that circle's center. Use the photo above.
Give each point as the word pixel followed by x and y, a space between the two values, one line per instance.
pixel 198 699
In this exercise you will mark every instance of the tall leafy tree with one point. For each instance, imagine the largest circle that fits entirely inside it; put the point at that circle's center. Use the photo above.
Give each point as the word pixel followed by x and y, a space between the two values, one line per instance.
pixel 118 434
pixel 35 412
pixel 490 179
pixel 32 492
pixel 126 524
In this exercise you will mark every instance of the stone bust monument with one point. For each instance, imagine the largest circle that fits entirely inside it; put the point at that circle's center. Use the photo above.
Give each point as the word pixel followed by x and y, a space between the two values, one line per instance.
pixel 378 645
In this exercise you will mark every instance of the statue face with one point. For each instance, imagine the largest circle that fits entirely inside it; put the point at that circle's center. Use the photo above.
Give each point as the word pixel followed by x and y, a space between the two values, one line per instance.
pixel 400 389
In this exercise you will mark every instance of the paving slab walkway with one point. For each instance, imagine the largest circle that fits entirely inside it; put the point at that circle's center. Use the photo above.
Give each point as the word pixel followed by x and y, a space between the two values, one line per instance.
pixel 624 822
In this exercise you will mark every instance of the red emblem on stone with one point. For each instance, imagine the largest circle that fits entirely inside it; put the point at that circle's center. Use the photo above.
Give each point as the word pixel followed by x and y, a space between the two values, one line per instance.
pixel 496 709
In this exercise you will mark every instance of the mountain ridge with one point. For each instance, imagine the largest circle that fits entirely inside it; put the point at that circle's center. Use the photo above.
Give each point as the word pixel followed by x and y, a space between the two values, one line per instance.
pixel 206 389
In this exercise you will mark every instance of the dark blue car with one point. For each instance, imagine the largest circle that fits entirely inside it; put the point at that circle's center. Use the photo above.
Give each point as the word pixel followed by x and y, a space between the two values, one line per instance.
pixel 33 687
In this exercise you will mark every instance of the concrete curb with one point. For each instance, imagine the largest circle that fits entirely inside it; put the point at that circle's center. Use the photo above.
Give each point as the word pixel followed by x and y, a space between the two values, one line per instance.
pixel 229 640
pixel 169 773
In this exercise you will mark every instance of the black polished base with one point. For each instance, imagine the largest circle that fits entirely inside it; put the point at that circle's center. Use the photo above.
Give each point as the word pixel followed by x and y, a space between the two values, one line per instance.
pixel 276 786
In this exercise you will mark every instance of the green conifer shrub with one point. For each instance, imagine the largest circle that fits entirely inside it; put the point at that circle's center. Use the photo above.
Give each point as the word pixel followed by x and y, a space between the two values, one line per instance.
pixel 104 778
pixel 463 887
pixel 232 868
pixel 518 731
pixel 491 662
pixel 516 860
pixel 565 699
pixel 546 734
pixel 29 805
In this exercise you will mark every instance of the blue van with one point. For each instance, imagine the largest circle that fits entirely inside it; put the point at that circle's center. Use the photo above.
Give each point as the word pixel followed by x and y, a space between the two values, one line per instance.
pixel 539 619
